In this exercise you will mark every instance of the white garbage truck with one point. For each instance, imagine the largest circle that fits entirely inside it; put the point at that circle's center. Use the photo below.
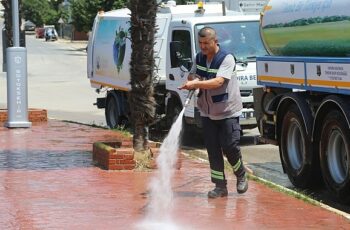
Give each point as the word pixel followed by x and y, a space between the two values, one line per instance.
pixel 176 45
pixel 304 105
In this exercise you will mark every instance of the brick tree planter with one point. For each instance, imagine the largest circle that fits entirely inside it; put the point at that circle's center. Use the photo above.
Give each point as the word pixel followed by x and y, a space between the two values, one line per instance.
pixel 119 155
pixel 114 155
pixel 34 115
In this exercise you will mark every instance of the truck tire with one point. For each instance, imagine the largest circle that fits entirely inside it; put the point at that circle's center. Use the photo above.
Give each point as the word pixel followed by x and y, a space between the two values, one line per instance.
pixel 114 117
pixel 296 149
pixel 335 155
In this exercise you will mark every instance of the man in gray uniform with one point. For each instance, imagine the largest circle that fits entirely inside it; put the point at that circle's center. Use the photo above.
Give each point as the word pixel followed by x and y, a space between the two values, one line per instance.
pixel 220 105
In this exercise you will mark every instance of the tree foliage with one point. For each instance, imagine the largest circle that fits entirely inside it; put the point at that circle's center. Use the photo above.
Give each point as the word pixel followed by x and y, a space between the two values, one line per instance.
pixel 55 4
pixel 82 12
pixel 41 12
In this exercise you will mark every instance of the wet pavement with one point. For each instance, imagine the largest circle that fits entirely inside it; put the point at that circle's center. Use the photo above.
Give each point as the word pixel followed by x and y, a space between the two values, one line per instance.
pixel 48 181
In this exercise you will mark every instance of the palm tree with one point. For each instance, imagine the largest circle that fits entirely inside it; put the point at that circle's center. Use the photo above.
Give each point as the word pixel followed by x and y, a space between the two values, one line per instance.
pixel 141 100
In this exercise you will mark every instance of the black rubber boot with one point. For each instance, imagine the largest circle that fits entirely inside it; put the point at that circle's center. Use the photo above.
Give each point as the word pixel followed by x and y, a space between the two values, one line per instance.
pixel 242 184
pixel 218 192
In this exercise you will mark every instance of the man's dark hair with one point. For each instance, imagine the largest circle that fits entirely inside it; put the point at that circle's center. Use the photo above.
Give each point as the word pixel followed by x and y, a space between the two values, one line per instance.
pixel 207 32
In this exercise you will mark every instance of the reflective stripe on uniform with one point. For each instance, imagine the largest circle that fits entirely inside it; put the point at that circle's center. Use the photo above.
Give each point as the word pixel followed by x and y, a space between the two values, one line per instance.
pixel 201 68
pixel 237 165
pixel 213 70
pixel 217 175
pixel 206 69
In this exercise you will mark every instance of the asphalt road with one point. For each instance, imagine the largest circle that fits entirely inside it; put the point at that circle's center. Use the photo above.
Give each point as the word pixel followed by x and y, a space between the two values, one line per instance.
pixel 57 82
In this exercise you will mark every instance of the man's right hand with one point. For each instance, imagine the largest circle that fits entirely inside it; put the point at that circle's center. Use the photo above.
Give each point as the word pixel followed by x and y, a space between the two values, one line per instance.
pixel 189 85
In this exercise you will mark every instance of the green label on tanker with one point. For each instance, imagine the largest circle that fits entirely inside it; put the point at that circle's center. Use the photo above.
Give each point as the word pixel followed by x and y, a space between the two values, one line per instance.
pixel 316 39
pixel 307 27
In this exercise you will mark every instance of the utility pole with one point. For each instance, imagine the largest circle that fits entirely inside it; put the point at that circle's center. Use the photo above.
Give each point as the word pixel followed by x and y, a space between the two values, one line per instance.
pixel 17 88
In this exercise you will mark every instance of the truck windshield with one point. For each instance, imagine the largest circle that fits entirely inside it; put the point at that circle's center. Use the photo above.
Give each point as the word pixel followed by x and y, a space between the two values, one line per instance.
pixel 239 38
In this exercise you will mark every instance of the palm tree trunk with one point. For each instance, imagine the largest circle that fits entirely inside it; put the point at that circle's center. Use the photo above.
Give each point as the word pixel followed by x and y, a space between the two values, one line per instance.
pixel 7 4
pixel 141 100
pixel 8 21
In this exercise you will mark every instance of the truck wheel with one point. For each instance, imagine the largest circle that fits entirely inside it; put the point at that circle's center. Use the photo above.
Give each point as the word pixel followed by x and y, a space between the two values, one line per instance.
pixel 335 155
pixel 296 149
pixel 114 118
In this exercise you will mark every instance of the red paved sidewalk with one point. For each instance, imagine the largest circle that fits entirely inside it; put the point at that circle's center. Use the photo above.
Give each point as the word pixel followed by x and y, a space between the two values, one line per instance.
pixel 47 181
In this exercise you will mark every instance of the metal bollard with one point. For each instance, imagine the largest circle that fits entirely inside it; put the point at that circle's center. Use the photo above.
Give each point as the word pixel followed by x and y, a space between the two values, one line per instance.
pixel 17 90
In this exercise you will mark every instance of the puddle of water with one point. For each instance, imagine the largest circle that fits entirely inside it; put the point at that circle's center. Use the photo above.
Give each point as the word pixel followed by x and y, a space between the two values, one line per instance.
pixel 160 205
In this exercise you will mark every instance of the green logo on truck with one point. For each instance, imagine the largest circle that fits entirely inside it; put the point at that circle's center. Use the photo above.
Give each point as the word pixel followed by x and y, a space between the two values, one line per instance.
pixel 119 47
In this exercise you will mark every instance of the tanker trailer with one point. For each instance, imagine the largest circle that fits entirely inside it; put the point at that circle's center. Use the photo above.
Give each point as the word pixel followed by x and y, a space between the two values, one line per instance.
pixel 304 106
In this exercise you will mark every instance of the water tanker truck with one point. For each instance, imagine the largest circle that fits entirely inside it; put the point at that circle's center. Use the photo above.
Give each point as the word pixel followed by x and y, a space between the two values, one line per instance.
pixel 304 106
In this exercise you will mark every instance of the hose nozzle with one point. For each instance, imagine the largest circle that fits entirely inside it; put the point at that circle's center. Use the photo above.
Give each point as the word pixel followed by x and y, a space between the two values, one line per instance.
pixel 189 96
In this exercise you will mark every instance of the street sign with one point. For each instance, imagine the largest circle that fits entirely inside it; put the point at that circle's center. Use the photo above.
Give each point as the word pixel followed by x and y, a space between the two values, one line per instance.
pixel 252 6
pixel 60 21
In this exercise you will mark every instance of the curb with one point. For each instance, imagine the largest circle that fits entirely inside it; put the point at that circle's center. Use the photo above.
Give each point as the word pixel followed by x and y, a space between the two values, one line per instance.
pixel 299 196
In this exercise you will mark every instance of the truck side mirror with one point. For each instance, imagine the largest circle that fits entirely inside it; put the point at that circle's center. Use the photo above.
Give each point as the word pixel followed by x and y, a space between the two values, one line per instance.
pixel 177 57
pixel 175 53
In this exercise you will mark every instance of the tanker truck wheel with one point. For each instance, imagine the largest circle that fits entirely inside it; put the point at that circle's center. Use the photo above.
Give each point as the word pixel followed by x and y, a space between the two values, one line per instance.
pixel 335 155
pixel 296 149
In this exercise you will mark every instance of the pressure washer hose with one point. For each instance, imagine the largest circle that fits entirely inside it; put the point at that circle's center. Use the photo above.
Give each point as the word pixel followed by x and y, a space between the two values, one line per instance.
pixel 189 96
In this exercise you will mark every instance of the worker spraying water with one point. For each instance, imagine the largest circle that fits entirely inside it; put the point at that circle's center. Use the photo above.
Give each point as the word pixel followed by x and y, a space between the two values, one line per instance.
pixel 220 104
